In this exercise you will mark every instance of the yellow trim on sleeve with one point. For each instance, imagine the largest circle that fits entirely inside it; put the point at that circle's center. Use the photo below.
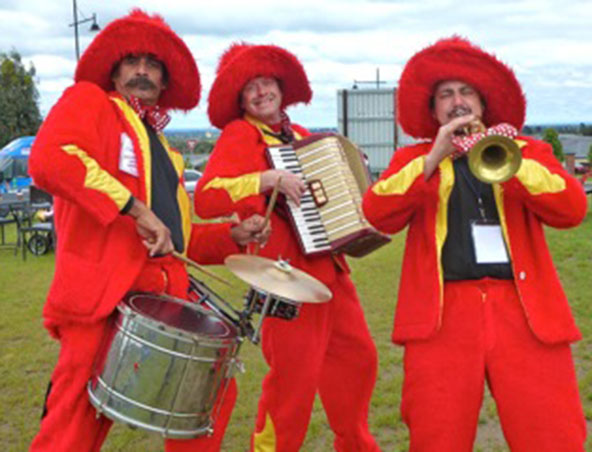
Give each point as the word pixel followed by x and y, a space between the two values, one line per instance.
pixel 399 183
pixel 537 179
pixel 142 135
pixel 237 187
pixel 265 440
pixel 98 179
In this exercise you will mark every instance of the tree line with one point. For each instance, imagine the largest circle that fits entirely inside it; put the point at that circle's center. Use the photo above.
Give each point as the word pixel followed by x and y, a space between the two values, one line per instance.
pixel 575 129
pixel 19 109
pixel 20 115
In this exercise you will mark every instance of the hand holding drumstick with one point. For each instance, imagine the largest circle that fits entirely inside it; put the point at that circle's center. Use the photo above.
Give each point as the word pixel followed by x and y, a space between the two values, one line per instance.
pixel 270 207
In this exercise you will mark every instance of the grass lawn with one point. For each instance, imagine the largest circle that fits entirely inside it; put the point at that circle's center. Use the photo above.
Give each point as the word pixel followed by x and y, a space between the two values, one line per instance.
pixel 27 354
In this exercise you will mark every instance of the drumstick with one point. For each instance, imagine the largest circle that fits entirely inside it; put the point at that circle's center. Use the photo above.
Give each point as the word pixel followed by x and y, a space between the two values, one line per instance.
pixel 270 207
pixel 200 268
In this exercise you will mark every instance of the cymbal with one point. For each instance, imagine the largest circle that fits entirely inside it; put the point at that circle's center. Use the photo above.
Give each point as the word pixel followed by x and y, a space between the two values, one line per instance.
pixel 278 278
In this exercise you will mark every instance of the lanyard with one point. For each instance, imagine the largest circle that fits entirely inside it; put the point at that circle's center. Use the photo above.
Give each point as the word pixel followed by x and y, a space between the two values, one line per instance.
pixel 477 192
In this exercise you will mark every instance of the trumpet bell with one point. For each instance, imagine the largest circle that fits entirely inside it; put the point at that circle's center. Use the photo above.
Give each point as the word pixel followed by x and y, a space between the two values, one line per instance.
pixel 495 159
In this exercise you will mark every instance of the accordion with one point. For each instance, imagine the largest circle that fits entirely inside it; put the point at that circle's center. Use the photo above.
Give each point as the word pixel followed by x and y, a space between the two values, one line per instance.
pixel 329 218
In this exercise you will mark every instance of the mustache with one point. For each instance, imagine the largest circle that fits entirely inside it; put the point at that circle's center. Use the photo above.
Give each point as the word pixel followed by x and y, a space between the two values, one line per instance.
pixel 141 82
pixel 459 110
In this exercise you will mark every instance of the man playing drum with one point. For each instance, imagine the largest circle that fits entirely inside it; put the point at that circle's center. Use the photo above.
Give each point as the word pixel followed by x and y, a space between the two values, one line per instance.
pixel 327 348
pixel 479 297
pixel 118 192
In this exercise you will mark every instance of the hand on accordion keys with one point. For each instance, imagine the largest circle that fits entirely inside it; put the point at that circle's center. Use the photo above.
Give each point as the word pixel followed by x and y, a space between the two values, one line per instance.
pixel 291 184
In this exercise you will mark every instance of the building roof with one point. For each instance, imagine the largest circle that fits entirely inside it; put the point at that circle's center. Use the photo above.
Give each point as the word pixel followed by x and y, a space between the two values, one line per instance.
pixel 575 144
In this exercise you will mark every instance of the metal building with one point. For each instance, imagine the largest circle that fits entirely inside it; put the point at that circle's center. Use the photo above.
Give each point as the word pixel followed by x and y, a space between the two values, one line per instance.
pixel 367 117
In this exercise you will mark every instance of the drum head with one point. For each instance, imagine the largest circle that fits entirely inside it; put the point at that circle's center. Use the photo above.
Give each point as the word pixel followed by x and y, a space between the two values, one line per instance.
pixel 181 315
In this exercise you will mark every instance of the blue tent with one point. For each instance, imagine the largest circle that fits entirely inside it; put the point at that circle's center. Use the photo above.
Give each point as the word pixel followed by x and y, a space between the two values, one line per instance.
pixel 13 164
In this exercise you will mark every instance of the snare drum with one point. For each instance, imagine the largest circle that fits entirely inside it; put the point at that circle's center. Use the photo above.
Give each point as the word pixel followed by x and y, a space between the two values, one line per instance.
pixel 164 366
pixel 278 307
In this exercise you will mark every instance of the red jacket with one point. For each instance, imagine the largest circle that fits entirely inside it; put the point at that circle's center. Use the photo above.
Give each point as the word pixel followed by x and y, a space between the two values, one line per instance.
pixel 540 193
pixel 77 156
pixel 230 183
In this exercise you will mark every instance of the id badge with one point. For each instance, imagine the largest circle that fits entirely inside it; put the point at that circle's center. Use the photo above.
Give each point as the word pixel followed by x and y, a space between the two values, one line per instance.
pixel 488 242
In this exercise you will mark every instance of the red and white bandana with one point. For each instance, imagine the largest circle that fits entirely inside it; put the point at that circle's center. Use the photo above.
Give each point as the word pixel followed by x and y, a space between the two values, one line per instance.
pixel 153 115
pixel 464 143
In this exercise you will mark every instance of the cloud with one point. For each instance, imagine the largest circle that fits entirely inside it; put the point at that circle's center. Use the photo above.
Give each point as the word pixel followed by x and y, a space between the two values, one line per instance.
pixel 547 42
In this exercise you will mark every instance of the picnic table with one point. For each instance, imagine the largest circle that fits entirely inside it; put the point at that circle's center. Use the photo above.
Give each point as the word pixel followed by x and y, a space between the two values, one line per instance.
pixel 17 207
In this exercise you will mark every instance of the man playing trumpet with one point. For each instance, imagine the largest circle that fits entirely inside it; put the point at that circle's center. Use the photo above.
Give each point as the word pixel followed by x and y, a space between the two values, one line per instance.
pixel 479 298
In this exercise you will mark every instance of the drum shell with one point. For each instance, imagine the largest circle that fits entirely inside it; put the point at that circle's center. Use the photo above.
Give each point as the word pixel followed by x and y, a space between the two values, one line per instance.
pixel 281 308
pixel 160 378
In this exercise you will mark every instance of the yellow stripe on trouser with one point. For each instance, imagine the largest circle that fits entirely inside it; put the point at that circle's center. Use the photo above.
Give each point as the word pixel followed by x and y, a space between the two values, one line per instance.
pixel 98 179
pixel 265 440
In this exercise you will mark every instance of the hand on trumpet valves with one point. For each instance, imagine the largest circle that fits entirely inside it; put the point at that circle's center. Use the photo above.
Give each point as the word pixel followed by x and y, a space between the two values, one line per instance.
pixel 252 229
pixel 155 235
pixel 443 145
pixel 291 184
pixel 476 132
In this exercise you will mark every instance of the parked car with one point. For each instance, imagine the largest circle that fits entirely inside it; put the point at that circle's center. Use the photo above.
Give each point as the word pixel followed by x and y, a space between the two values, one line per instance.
pixel 582 168
pixel 191 177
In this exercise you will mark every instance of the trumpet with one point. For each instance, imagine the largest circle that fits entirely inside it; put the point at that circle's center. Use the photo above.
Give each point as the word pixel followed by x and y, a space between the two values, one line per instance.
pixel 495 158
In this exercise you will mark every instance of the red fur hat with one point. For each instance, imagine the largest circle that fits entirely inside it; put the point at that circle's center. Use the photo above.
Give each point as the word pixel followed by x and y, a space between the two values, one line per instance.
pixel 456 58
pixel 141 33
pixel 243 62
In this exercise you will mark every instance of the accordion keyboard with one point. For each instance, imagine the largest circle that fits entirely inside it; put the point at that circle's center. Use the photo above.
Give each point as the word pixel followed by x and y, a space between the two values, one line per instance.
pixel 320 226
pixel 306 218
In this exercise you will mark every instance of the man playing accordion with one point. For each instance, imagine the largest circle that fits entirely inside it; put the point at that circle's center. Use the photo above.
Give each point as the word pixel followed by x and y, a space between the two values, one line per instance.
pixel 327 348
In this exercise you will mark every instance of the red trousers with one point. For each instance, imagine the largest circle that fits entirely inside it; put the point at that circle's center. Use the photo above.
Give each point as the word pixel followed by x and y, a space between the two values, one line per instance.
pixel 327 349
pixel 485 337
pixel 71 423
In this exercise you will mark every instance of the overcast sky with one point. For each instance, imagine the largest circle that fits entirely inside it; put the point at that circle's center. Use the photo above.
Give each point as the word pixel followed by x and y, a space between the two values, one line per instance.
pixel 548 43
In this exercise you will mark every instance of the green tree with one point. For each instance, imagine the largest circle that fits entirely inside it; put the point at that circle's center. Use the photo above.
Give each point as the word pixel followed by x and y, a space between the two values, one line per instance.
pixel 590 155
pixel 19 112
pixel 552 137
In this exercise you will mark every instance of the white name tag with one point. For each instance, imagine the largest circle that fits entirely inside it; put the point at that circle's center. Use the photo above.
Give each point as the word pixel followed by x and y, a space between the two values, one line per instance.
pixel 489 244
pixel 127 157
